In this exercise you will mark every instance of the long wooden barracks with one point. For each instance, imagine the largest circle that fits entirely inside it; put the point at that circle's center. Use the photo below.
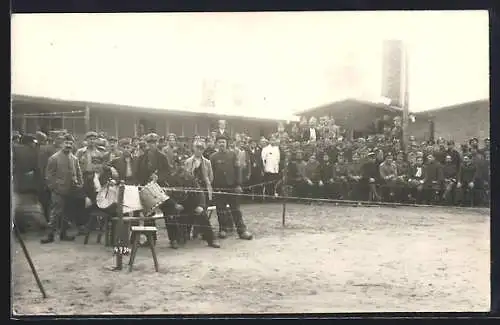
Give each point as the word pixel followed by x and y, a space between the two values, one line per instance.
pixel 31 114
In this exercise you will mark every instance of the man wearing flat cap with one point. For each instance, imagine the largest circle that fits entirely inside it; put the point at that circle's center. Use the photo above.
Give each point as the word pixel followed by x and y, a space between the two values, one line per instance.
pixel 371 177
pixel 64 179
pixel 153 166
pixel 113 150
pixel 227 179
pixel 388 174
pixel 89 157
pixel 124 167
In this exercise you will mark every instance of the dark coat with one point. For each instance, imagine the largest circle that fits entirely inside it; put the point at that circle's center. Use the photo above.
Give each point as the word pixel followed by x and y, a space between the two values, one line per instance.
pixel 150 162
pixel 44 153
pixel 27 175
pixel 120 165
pixel 59 176
pixel 412 172
pixel 226 170
pixel 370 170
pixel 306 134
pixel 434 172
pixel 467 173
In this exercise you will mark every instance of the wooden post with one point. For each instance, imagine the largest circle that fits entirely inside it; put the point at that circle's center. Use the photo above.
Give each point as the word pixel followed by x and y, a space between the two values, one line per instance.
pixel 87 118
pixel 30 262
pixel 119 231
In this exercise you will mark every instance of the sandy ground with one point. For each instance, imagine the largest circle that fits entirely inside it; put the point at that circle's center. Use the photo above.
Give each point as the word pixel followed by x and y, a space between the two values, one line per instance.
pixel 326 259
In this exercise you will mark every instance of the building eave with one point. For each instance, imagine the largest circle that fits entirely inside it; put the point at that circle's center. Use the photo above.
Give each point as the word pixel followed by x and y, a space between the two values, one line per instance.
pixel 116 107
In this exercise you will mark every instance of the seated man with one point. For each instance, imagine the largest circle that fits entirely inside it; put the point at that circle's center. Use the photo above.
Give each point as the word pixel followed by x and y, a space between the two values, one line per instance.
pixel 416 177
pixel 401 191
pixel 388 173
pixel 312 177
pixel 354 177
pixel 433 179
pixel 297 175
pixel 371 177
pixel 465 183
pixel 450 175
pixel 326 174
pixel 340 178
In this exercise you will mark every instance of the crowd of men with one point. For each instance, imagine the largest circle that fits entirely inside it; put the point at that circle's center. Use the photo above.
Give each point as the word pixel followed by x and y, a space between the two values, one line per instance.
pixel 315 159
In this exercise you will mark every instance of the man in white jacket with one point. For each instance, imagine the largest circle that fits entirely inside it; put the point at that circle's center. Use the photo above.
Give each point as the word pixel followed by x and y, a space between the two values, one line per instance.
pixel 271 163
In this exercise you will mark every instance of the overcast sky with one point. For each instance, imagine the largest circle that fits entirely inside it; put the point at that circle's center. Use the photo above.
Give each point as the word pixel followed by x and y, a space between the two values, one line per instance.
pixel 280 62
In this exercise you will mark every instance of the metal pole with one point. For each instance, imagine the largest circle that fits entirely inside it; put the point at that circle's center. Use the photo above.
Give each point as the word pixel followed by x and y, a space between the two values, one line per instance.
pixel 30 262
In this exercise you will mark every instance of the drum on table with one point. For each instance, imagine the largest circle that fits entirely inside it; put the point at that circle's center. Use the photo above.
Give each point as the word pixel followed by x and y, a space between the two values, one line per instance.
pixel 152 196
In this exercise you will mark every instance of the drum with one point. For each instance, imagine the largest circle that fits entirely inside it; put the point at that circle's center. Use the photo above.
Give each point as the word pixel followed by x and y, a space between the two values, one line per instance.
pixel 152 196
pixel 107 196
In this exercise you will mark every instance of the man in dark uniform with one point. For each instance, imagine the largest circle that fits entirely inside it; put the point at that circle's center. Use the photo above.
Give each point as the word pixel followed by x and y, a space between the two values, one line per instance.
pixel 388 175
pixel 465 184
pixel 433 179
pixel 403 167
pixel 354 177
pixel 257 172
pixel 124 167
pixel 416 179
pixel 313 177
pixel 326 175
pixel 482 179
pixel 154 166
pixel 113 151
pixel 227 178
pixel 453 153
pixel 450 175
pixel 371 177
pixel 340 178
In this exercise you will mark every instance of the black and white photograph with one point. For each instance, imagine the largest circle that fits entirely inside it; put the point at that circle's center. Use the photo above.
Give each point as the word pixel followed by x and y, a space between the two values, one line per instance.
pixel 250 163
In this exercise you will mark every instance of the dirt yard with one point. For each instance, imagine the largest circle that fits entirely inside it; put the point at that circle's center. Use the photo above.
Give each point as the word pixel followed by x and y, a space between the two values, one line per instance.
pixel 326 259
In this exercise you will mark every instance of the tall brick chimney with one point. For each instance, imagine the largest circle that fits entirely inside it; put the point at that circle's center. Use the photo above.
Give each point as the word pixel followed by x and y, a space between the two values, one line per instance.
pixel 393 72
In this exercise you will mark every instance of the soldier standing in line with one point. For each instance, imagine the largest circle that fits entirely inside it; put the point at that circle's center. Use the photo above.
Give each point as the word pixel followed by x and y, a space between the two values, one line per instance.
pixel 227 178
pixel 64 179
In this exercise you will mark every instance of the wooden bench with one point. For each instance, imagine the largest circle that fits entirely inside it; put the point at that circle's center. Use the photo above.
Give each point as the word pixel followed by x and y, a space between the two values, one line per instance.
pixel 137 231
